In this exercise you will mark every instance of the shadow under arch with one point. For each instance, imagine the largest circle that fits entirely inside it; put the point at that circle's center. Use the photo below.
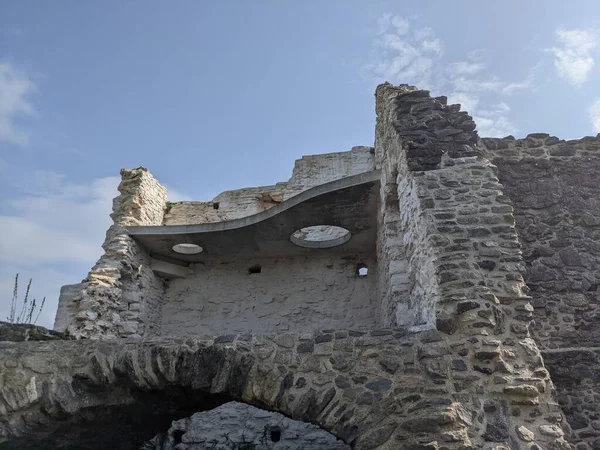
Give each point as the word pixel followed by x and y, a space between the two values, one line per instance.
pixel 115 426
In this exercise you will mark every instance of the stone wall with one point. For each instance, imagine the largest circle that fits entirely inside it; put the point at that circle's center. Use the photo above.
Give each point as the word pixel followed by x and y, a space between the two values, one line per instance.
pixel 576 375
pixel 367 388
pixel 21 332
pixel 236 423
pixel 555 190
pixel 67 306
pixel 456 228
pixel 310 171
pixel 383 389
pixel 121 296
pixel 289 294
pixel 464 263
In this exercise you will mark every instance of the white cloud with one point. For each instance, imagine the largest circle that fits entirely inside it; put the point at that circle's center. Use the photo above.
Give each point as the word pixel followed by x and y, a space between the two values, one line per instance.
pixel 55 220
pixel 15 90
pixel 594 112
pixel 471 75
pixel 387 21
pixel 478 92
pixel 467 101
pixel 52 232
pixel 573 57
pixel 493 121
pixel 465 68
pixel 31 243
pixel 404 55
pixel 174 195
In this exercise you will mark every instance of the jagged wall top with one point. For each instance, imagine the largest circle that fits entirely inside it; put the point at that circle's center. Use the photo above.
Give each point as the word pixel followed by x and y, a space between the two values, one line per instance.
pixel 421 120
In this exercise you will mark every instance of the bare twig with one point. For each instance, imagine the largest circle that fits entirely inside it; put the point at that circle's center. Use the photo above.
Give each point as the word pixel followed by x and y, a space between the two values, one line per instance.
pixel 13 303
pixel 28 308
pixel 24 309
pixel 30 312
pixel 39 311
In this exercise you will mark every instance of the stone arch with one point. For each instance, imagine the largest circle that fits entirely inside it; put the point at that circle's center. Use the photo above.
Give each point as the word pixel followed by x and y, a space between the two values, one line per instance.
pixel 383 389
pixel 70 393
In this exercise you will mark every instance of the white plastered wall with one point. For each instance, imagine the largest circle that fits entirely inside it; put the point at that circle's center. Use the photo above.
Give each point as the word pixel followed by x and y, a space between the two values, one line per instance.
pixel 305 293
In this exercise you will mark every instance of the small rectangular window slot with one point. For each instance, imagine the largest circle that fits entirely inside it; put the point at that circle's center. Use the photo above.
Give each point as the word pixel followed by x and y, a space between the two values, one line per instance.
pixel 254 269
pixel 362 270
pixel 275 434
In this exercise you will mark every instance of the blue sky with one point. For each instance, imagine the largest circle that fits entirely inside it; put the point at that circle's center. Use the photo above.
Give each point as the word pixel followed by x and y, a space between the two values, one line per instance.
pixel 211 96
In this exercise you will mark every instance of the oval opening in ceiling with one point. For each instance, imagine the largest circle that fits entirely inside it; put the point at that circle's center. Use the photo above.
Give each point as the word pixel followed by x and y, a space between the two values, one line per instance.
pixel 320 236
pixel 187 249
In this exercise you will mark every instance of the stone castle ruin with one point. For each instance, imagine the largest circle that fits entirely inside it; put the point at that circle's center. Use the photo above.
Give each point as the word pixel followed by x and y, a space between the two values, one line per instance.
pixel 438 291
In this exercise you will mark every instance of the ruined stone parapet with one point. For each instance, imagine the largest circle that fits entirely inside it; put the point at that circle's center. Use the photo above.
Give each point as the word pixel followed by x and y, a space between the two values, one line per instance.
pixel 456 225
pixel 448 234
pixel 121 295
pixel 142 200
pixel 430 131
pixel 309 171
pixel 540 147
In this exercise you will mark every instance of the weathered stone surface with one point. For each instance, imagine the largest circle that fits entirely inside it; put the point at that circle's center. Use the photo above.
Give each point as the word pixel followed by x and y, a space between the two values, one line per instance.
pixel 121 296
pixel 310 171
pixel 237 424
pixel 525 434
pixel 555 194
pixel 56 384
pixel 158 380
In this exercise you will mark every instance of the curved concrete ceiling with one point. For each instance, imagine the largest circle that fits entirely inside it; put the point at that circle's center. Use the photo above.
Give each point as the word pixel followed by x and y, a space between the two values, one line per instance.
pixel 350 203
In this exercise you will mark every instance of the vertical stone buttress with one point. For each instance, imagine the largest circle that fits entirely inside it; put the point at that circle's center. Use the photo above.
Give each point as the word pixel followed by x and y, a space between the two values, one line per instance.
pixel 121 296
pixel 450 259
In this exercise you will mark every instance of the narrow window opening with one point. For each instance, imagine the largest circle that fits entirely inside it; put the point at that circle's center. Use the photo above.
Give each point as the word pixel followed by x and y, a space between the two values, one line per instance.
pixel 362 270
pixel 275 434
pixel 178 436
pixel 254 269
pixel 215 205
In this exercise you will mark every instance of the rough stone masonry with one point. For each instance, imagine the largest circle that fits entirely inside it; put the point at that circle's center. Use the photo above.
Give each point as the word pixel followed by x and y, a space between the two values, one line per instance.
pixel 436 291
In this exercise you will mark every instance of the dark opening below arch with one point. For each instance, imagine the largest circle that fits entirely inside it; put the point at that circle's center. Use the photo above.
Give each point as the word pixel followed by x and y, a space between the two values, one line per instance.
pixel 121 427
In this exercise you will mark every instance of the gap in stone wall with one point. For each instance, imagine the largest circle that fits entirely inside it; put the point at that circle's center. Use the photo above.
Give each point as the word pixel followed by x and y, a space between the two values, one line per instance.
pixel 237 426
